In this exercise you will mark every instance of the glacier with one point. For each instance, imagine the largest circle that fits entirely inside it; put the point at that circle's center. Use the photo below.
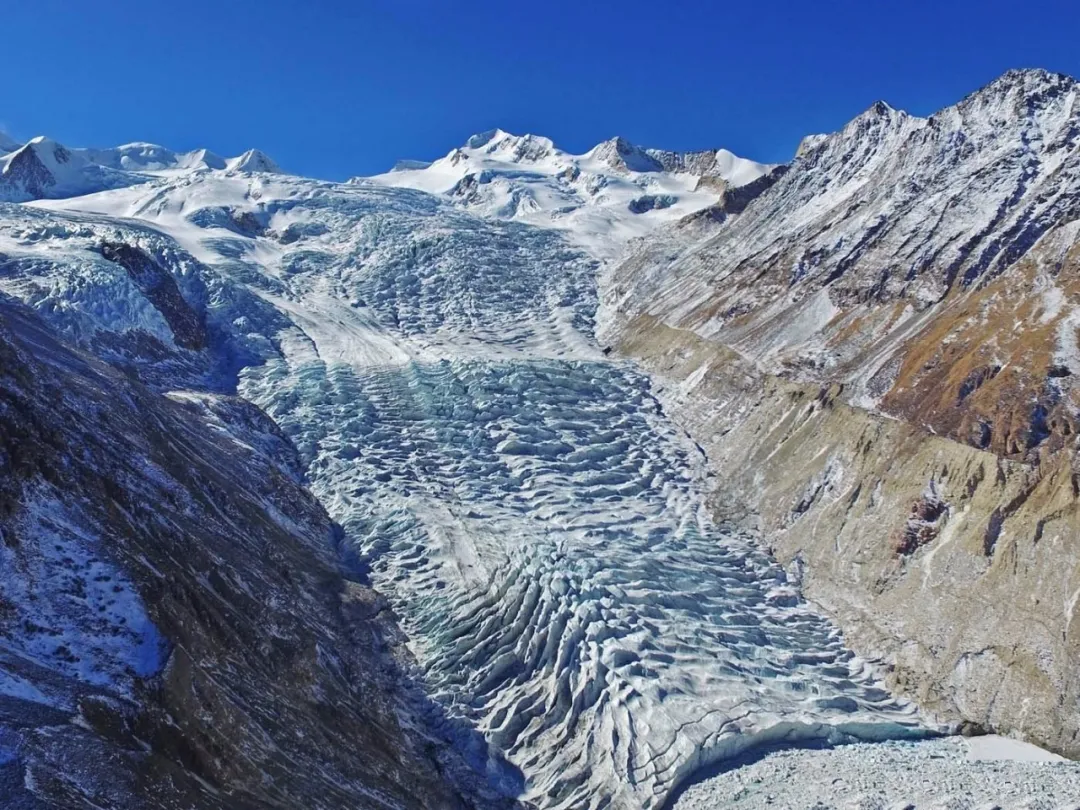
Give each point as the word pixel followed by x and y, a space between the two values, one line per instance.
pixel 537 522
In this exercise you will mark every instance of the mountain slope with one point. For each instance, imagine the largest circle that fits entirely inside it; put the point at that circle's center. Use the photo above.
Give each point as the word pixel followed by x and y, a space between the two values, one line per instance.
pixel 176 631
pixel 893 224
pixel 925 270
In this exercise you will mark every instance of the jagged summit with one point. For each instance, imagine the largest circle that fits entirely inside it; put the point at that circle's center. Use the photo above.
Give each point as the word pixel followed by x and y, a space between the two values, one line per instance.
pixel 883 109
pixel 621 155
pixel 201 159
pixel 253 160
pixel 1029 79
pixel 482 139
pixel 1028 85
pixel 38 167
pixel 516 148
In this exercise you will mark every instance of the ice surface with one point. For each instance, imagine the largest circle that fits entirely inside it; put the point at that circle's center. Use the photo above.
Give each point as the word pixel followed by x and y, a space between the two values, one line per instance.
pixel 993 747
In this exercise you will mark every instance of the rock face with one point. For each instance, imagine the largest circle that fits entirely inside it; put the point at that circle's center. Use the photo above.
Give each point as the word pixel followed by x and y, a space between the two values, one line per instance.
pixel 879 356
pixel 175 630
pixel 161 290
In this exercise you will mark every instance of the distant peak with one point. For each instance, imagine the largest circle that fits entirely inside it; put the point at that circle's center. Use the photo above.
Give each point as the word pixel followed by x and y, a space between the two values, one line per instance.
pixel 51 153
pixel 41 143
pixel 621 154
pixel 619 145
pixel 253 160
pixel 1041 75
pixel 882 109
pixel 518 148
pixel 202 158
pixel 482 139
pixel 1027 81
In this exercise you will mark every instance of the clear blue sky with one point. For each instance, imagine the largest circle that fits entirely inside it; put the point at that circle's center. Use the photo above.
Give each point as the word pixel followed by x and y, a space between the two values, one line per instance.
pixel 333 88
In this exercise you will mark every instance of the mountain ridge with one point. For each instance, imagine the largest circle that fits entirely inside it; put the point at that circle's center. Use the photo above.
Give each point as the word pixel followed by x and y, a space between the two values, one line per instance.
pixel 609 194
pixel 42 168
pixel 879 356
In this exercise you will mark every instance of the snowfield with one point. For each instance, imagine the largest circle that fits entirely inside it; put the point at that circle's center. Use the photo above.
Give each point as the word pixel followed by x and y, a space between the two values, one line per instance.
pixel 591 637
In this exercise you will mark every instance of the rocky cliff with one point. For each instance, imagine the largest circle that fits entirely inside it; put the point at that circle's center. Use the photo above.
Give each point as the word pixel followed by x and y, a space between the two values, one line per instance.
pixel 879 356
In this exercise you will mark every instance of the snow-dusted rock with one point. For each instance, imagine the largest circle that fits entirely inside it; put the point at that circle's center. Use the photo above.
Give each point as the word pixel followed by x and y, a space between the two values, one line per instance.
pixel 176 630
pixel 252 161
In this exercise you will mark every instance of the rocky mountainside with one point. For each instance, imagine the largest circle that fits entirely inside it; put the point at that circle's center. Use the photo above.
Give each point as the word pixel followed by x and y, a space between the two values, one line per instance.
pixel 880 357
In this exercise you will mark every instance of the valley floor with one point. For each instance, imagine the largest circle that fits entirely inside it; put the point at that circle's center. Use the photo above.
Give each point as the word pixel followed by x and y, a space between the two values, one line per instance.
pixel 941 774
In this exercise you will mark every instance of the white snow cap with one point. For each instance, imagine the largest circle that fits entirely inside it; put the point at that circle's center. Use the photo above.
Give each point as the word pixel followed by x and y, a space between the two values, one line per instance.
pixel 201 159
pixel 253 160
pixel 602 198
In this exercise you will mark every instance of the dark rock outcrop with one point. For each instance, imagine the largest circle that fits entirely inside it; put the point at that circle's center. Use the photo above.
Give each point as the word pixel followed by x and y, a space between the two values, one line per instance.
pixel 161 290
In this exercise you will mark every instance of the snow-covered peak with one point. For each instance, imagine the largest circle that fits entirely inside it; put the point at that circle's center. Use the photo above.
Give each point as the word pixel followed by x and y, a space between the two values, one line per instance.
pixel 49 152
pixel 614 191
pixel 621 155
pixel 134 157
pixel 253 160
pixel 41 167
pixel 1028 82
pixel 200 159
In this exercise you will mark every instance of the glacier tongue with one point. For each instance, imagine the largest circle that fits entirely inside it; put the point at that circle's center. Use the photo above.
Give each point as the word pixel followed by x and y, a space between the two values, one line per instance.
pixel 538 526
pixel 537 522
